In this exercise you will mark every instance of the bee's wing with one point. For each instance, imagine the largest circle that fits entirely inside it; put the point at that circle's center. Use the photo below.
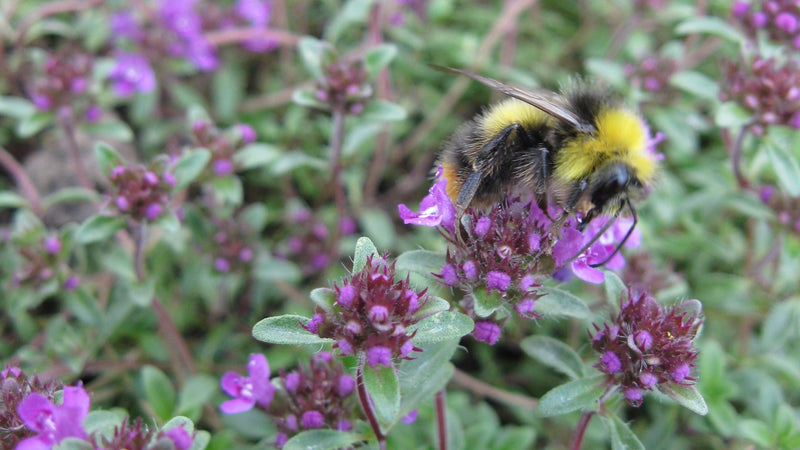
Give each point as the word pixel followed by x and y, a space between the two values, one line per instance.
pixel 547 101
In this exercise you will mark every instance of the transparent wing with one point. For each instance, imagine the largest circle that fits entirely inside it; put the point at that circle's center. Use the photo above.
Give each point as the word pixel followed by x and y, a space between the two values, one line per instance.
pixel 549 102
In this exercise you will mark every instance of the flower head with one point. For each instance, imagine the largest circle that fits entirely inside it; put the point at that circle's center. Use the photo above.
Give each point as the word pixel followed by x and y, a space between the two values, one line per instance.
pixel 371 314
pixel 141 193
pixel 436 208
pixel 648 345
pixel 131 74
pixel 254 389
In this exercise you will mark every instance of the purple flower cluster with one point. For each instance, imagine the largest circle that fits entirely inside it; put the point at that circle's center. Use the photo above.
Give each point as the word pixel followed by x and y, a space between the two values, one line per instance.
pixel 54 423
pixel 15 386
pixel 232 245
pixel 141 193
pixel 345 86
pixel 186 24
pixel 136 435
pixel 312 398
pixel 653 74
pixel 63 85
pixel 508 250
pixel 768 89
pixel 257 14
pixel 316 397
pixel 309 244
pixel 371 314
pixel 44 259
pixel 786 208
pixel 132 73
pixel 221 144
pixel 780 19
pixel 648 345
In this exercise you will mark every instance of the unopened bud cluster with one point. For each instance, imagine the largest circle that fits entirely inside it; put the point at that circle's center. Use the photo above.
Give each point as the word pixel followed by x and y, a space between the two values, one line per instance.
pixel 222 145
pixel 141 193
pixel 63 85
pixel 648 345
pixel 44 259
pixel 787 209
pixel 232 246
pixel 15 385
pixel 310 242
pixel 372 314
pixel 769 89
pixel 779 19
pixel 345 86
pixel 653 74
pixel 316 397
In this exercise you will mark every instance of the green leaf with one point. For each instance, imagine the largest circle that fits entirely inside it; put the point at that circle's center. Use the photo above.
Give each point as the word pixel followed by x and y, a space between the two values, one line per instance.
pixel 615 289
pixel 270 270
pixel 255 155
pixel 190 166
pixel 227 90
pixel 201 440
pixel 72 194
pixel 781 323
pixel 384 390
pixel 169 222
pixel 432 306
pixel 441 327
pixel 323 440
pixel 140 292
pixel 324 298
pixel 786 167
pixel 731 115
pixel 12 200
pixel 364 249
pixel 422 262
pixel 115 130
pixel 98 228
pixel 561 303
pixel 486 302
pixel 102 422
pixel 228 190
pixel 179 422
pixel 107 158
pixel 696 83
pixel 573 396
pixel 195 392
pixel 383 111
pixel 756 431
pixel 286 329
pixel 686 396
pixel 710 25
pixel 158 391
pixel 290 161
pixel 34 123
pixel 426 374
pixel 307 98
pixel 316 55
pixel 555 354
pixel 379 57
pixel 376 223
pixel 16 107
pixel 622 438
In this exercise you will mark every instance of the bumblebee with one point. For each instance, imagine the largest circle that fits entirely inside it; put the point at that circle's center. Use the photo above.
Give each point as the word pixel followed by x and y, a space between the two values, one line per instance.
pixel 582 150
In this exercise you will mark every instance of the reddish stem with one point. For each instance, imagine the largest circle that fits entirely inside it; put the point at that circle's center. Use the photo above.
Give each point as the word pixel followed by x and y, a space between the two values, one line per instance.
pixel 16 170
pixel 580 430
pixel 441 419
pixel 366 404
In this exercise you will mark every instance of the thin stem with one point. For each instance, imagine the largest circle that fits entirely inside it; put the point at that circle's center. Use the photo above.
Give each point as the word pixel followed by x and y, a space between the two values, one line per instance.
pixel 487 390
pixel 366 403
pixel 68 125
pixel 337 141
pixel 736 157
pixel 237 35
pixel 577 440
pixel 24 182
pixel 441 419
pixel 139 236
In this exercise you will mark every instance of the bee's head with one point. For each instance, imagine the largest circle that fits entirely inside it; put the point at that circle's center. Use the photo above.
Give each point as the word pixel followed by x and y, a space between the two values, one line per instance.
pixel 610 184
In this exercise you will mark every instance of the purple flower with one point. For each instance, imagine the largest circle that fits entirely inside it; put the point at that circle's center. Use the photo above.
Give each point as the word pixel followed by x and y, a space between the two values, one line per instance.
pixel 379 355
pixel 153 211
pixel 222 265
pixel 53 423
pixel 346 385
pixel 449 275
pixel 247 132
pixel 643 340
pixel 611 362
pixel 525 308
pixel 52 245
pixel 180 438
pixel 786 22
pixel 292 382
pixel 434 210
pixel 71 283
pixel 497 280
pixel 222 167
pixel 410 417
pixel 248 391
pixel 312 420
pixel 258 13
pixel 347 294
pixel 93 114
pixel 487 332
pixel 123 24
pixel 132 73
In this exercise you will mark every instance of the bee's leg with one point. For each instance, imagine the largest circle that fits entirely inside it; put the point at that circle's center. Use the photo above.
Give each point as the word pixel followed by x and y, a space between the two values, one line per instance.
pixel 468 190
pixel 555 228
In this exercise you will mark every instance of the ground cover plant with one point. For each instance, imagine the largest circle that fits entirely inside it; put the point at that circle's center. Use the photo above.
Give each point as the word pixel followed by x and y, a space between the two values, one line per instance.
pixel 221 226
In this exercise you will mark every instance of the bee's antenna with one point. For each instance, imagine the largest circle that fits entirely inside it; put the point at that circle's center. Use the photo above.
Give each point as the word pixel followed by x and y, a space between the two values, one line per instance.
pixel 594 239
pixel 627 235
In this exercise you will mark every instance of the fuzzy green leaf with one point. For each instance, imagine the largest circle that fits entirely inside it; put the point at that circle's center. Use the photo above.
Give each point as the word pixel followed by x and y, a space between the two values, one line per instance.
pixel 686 396
pixel 323 440
pixel 286 329
pixel 441 327
pixel 384 390
pixel 98 228
pixel 159 392
pixel 555 354
pixel 364 249
pixel 561 303
pixel 622 438
pixel 573 396
pixel 190 166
